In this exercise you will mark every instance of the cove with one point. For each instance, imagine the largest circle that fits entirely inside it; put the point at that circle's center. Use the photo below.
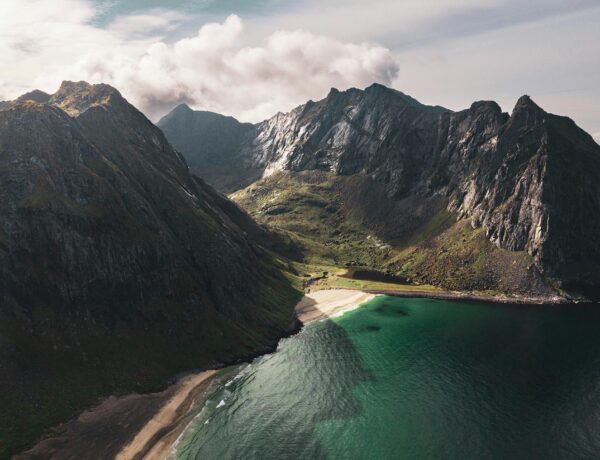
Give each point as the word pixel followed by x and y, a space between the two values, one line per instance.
pixel 414 378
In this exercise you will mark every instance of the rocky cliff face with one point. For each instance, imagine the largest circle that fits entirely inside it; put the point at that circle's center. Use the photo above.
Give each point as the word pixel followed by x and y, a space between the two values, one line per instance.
pixel 529 179
pixel 118 268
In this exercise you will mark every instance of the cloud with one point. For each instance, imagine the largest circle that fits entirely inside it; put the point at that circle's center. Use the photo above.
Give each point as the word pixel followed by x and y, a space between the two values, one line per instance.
pixel 158 57
pixel 212 69
pixel 596 136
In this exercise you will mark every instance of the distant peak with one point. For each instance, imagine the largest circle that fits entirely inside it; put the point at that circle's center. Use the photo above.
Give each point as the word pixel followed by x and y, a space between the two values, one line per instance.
pixel 379 90
pixel 526 103
pixel 73 86
pixel 486 106
pixel 377 87
pixel 76 97
pixel 83 87
pixel 182 108
pixel 333 92
pixel 36 95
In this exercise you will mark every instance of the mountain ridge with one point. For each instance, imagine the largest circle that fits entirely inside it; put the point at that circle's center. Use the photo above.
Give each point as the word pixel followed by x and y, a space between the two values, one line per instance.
pixel 509 174
pixel 119 268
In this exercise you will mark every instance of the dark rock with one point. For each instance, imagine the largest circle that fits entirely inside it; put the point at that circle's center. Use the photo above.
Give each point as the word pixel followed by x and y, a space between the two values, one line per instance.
pixel 118 268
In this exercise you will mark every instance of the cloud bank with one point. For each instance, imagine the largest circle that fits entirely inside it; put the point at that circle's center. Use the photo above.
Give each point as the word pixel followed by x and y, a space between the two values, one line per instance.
pixel 212 70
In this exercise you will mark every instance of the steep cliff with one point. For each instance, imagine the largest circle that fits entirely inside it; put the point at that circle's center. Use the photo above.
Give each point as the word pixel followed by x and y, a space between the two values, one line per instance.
pixel 528 179
pixel 118 268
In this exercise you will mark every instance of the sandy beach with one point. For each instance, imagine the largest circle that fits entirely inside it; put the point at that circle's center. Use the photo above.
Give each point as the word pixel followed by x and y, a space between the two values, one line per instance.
pixel 157 437
pixel 147 426
pixel 161 431
pixel 329 303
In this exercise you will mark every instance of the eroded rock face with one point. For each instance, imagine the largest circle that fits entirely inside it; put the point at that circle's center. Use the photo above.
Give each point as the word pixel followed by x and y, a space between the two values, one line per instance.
pixel 118 268
pixel 528 178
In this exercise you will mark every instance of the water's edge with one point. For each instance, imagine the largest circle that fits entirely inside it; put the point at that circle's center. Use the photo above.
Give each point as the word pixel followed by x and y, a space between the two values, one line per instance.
pixel 149 405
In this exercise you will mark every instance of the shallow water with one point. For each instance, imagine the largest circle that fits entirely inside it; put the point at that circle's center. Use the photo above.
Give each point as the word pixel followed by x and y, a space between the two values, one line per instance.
pixel 415 378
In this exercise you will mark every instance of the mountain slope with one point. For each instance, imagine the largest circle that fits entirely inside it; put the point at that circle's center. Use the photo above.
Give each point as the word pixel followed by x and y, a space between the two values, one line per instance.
pixel 118 268
pixel 215 137
pixel 528 180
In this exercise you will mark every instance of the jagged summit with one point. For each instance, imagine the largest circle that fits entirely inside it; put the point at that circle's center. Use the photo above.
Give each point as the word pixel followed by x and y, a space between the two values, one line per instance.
pixel 491 106
pixel 77 97
pixel 515 176
pixel 526 105
pixel 183 107
pixel 73 98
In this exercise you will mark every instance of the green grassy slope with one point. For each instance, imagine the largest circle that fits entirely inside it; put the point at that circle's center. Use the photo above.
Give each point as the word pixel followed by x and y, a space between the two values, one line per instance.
pixel 348 221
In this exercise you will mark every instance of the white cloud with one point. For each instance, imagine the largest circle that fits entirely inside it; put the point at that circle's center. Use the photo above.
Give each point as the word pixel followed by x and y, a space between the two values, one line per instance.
pixel 250 71
pixel 212 69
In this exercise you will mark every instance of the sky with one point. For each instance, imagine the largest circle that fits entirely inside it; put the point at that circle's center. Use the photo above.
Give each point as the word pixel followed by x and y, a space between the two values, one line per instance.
pixel 253 58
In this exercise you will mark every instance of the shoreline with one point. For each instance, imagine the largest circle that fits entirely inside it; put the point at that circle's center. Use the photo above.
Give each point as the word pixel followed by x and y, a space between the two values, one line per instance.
pixel 146 426
pixel 150 424
pixel 161 432
pixel 477 297
pixel 159 435
pixel 312 307
pixel 329 303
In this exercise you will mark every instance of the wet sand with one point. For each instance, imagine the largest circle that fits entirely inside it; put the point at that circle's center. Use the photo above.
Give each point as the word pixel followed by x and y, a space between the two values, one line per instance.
pixel 155 439
pixel 125 427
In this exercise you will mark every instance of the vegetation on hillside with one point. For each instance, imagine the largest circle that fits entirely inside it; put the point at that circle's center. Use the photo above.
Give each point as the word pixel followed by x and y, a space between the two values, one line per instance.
pixel 348 221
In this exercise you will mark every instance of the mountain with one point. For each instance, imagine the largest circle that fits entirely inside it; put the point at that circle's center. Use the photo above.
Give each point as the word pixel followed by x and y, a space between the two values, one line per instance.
pixel 476 199
pixel 215 137
pixel 118 267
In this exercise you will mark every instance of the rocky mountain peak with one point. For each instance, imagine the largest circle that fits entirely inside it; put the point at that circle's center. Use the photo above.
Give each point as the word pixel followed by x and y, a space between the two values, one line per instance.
pixel 528 110
pixel 182 108
pixel 526 103
pixel 486 106
pixel 513 175
pixel 36 95
pixel 77 97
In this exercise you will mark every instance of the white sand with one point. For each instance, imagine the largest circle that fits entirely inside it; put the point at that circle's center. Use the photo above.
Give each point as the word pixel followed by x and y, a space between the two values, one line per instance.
pixel 329 303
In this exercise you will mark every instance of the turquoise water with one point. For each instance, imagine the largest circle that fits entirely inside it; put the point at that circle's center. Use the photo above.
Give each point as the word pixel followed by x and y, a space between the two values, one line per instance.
pixel 411 379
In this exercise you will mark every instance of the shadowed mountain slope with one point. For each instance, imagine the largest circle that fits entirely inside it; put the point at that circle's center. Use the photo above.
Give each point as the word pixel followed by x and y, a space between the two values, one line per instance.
pixel 118 268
